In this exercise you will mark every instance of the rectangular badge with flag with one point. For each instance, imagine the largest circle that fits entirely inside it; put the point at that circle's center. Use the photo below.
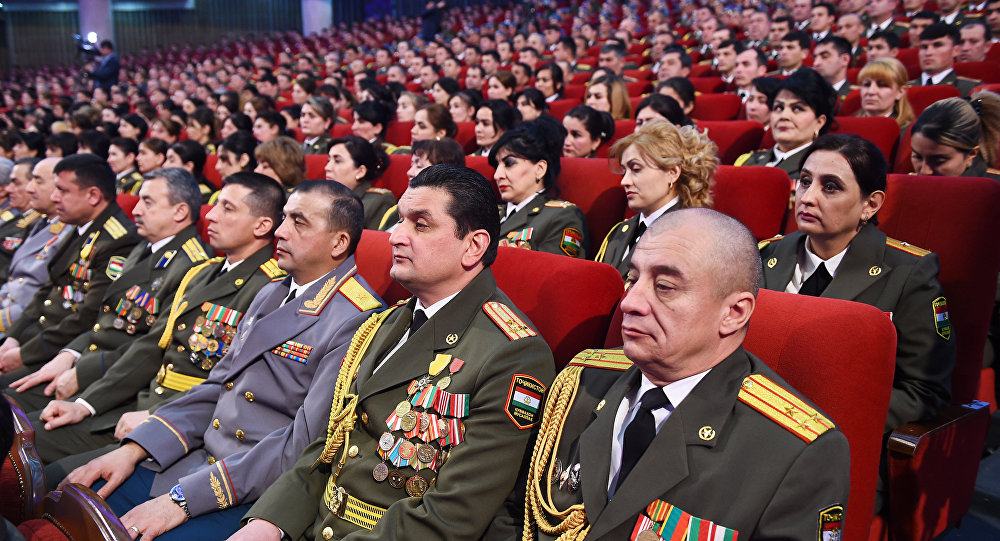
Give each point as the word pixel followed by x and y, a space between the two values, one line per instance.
pixel 572 241
pixel 524 401
pixel 942 324
pixel 115 267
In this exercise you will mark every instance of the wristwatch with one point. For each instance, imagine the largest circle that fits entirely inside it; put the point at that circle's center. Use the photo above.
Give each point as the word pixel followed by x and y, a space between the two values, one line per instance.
pixel 177 496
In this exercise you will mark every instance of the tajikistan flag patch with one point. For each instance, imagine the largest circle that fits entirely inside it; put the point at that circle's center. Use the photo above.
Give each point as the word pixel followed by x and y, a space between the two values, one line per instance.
pixel 942 323
pixel 524 401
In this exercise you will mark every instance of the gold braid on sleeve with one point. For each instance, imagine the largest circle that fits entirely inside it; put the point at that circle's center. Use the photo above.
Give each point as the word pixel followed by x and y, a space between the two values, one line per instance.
pixel 177 307
pixel 538 507
pixel 343 412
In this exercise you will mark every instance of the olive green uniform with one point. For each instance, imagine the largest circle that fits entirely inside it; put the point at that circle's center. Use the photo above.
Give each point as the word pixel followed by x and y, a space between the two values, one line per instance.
pixel 130 182
pixel 963 84
pixel 13 231
pixel 790 164
pixel 319 146
pixel 376 202
pixel 546 225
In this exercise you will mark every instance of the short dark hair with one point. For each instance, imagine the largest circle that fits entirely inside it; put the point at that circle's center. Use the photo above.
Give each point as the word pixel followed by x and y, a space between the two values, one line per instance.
pixel 569 43
pixel 472 203
pixel 375 112
pixel 240 143
pixel 106 44
pixel 492 53
pixel 182 187
pixel 683 87
pixel 614 47
pixel 127 146
pixel 736 44
pixel 987 34
pixel 889 37
pixel 444 150
pixel 666 106
pixel 866 160
pixel 345 209
pixel 830 9
pixel 189 150
pixel 841 45
pixel 266 198
pixel 95 141
pixel 685 58
pixel 91 172
pixel 534 97
pixel 942 30
pixel 803 39
pixel 64 141
pixel 536 140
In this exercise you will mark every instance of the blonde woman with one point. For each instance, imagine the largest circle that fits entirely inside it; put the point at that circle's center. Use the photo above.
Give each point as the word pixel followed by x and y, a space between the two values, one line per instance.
pixel 883 91
pixel 664 168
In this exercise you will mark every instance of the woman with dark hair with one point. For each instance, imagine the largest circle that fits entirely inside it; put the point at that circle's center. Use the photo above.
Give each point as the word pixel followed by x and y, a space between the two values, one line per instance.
pixel 838 252
pixel 291 114
pixel 282 159
pixel 493 118
pixel 236 154
pixel 152 154
pixel 133 126
pixel 586 130
pixel 801 110
pixel 234 123
pixel 501 86
pixel 190 155
pixel 958 138
pixel 680 89
pixel 660 106
pixel 531 104
pixel 268 125
pixel 426 153
pixel 527 165
pixel 356 163
pixel 549 81
pixel 371 118
pixel 432 121
pixel 463 105
pixel 407 104
pixel 303 89
pixel 201 128
pixel 758 104
pixel 29 144
pixel 315 121
pixel 255 105
pixel 443 89
pixel 167 130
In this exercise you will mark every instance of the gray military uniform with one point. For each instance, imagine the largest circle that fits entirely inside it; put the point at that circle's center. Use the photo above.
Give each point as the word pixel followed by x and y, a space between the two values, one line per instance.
pixel 29 269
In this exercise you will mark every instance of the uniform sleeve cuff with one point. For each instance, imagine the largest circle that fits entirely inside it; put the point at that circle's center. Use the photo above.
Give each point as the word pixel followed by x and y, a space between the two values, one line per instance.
pixel 75 354
pixel 87 405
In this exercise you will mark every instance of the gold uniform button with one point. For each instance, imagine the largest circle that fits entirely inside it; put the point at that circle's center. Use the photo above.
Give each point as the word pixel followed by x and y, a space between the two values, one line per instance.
pixel 364 418
pixel 97 327
pixel 93 347
pixel 180 349
pixel 41 319
pixel 239 435
pixel 181 327
pixel 353 451
pixel 20 280
pixel 48 302
pixel 229 386
pixel 158 390
pixel 249 396
pixel 211 460
pixel 170 366
pixel 215 424
pixel 328 533
pixel 107 308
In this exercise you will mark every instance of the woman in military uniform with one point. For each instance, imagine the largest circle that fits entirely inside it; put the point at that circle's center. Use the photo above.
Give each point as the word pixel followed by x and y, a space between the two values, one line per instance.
pixel 201 128
pixel 493 119
pixel 665 168
pixel 958 138
pixel 371 118
pixel 356 163
pixel 801 110
pixel 315 121
pixel 527 165
pixel 838 253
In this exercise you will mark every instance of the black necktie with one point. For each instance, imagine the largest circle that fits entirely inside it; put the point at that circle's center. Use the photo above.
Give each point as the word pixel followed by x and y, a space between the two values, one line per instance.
pixel 419 318
pixel 146 253
pixel 640 431
pixel 222 270
pixel 816 284
pixel 635 238
pixel 290 297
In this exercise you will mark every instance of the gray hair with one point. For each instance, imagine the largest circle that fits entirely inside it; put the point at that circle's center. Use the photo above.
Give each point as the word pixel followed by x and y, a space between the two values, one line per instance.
pixel 181 188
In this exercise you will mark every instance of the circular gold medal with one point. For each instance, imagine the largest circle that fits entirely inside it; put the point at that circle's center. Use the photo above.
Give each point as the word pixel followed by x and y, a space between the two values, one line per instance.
pixel 444 382
pixel 416 486
pixel 409 421
pixel 403 408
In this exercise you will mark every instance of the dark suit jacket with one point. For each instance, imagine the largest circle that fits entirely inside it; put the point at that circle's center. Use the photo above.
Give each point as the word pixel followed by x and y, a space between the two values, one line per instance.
pixel 791 164
pixel 105 75
pixel 963 84
pixel 901 281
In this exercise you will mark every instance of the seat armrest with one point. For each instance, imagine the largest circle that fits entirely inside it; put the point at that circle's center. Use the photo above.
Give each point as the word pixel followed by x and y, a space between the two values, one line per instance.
pixel 908 438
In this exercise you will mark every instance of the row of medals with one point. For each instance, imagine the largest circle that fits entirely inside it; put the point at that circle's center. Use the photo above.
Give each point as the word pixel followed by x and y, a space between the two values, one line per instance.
pixel 425 452
pixel 567 478
pixel 132 318
pixel 212 338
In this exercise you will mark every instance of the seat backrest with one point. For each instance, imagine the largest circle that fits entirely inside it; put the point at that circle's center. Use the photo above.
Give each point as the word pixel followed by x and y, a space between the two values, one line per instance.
pixel 802 338
pixel 987 72
pixel 394 178
pixel 559 108
pixel 756 196
pixel 374 259
pixel 482 165
pixel 850 104
pixel 466 136
pixel 398 133
pixel 957 218
pixel 716 106
pixel 733 137
pixel 127 202
pixel 708 85
pixel 920 97
pixel 203 223
pixel 210 173
pixel 590 184
pixel 341 130
pixel 316 166
pixel 570 301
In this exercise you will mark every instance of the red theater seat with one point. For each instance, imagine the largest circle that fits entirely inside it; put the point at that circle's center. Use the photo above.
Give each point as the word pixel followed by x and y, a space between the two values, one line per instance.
pixel 851 103
pixel 922 96
pixel 127 202
pixel 210 173
pixel 590 184
pixel 398 133
pixel 559 108
pixel 316 166
pixel 882 131
pixel 466 136
pixel 374 259
pixel 708 85
pixel 340 130
pixel 203 223
pixel 716 106
pixel 987 72
pixel 394 178
pixel 756 196
pixel 733 137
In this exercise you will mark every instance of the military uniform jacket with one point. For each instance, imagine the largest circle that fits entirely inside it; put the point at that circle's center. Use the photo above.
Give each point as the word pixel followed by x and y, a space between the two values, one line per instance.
pixel 716 457
pixel 84 264
pixel 791 164
pixel 900 280
pixel 10 237
pixel 135 300
pixel 130 182
pixel 376 202
pixel 29 270
pixel 121 382
pixel 612 250
pixel 500 356
pixel 978 168
pixel 319 146
pixel 546 225
pixel 963 84
pixel 230 437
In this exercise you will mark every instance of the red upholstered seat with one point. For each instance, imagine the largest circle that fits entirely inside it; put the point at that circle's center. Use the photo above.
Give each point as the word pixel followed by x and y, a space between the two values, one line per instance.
pixel 559 108
pixel 374 259
pixel 708 85
pixel 851 103
pixel 398 133
pixel 992 87
pixel 75 512
pixel 574 92
pixel 210 173
pixel 756 196
pixel 901 162
pixel 127 202
pixel 394 178
pixel 987 72
pixel 716 106
pixel 920 97
pixel 801 338
pixel 482 165
pixel 340 130
pixel 882 131
pixel 733 137
pixel 203 223
pixel 316 166
pixel 638 88
pixel 590 184
pixel 466 136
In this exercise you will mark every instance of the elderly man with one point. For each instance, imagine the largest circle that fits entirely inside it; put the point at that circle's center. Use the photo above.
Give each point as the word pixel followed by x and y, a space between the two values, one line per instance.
pixel 435 407
pixel 657 433
pixel 226 440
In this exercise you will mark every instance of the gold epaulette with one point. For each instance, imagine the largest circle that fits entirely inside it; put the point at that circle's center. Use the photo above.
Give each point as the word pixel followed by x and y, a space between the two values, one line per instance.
pixel 776 403
pixel 607 359
pixel 906 247
pixel 359 296
pixel 7 216
pixel 765 242
pixel 194 250
pixel 559 204
pixel 272 270
pixel 377 190
pixel 115 228
pixel 315 305
pixel 29 218
pixel 742 159
pixel 505 318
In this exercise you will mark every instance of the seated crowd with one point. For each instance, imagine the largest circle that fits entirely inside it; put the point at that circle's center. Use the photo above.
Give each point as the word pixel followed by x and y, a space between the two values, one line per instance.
pixel 165 352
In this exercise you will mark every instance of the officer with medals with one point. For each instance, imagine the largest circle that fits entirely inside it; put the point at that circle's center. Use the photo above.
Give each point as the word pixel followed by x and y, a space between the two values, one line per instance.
pixel 18 217
pixel 680 442
pixel 160 366
pixel 29 266
pixel 434 407
pixel 70 301
pixel 144 283
pixel 216 449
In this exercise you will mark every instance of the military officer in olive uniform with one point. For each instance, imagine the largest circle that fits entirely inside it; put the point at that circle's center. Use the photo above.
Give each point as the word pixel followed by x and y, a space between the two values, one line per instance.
pixel 684 440
pixel 130 182
pixel 270 395
pixel 434 410
pixel 790 164
pixel 377 203
pixel 17 218
pixel 144 284
pixel 319 145
pixel 190 336
pixel 547 225
pixel 944 33
pixel 29 266
pixel 81 270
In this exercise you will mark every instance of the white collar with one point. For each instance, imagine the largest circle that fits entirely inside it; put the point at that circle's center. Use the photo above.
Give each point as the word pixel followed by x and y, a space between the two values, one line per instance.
pixel 884 25
pixel 779 155
pixel 676 392
pixel 82 229
pixel 936 79
pixel 304 287
pixel 840 85
pixel 653 216
pixel 228 265
pixel 153 247
pixel 810 261
pixel 310 140
pixel 429 311
pixel 512 208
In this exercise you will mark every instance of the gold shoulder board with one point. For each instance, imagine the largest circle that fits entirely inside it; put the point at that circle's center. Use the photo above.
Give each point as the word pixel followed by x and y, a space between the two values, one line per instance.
pixel 271 269
pixel 115 228
pixel 784 408
pixel 505 318
pixel 558 203
pixel 194 250
pixel 376 190
pixel 906 247
pixel 765 242
pixel 29 218
pixel 6 215
pixel 359 296
pixel 608 359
